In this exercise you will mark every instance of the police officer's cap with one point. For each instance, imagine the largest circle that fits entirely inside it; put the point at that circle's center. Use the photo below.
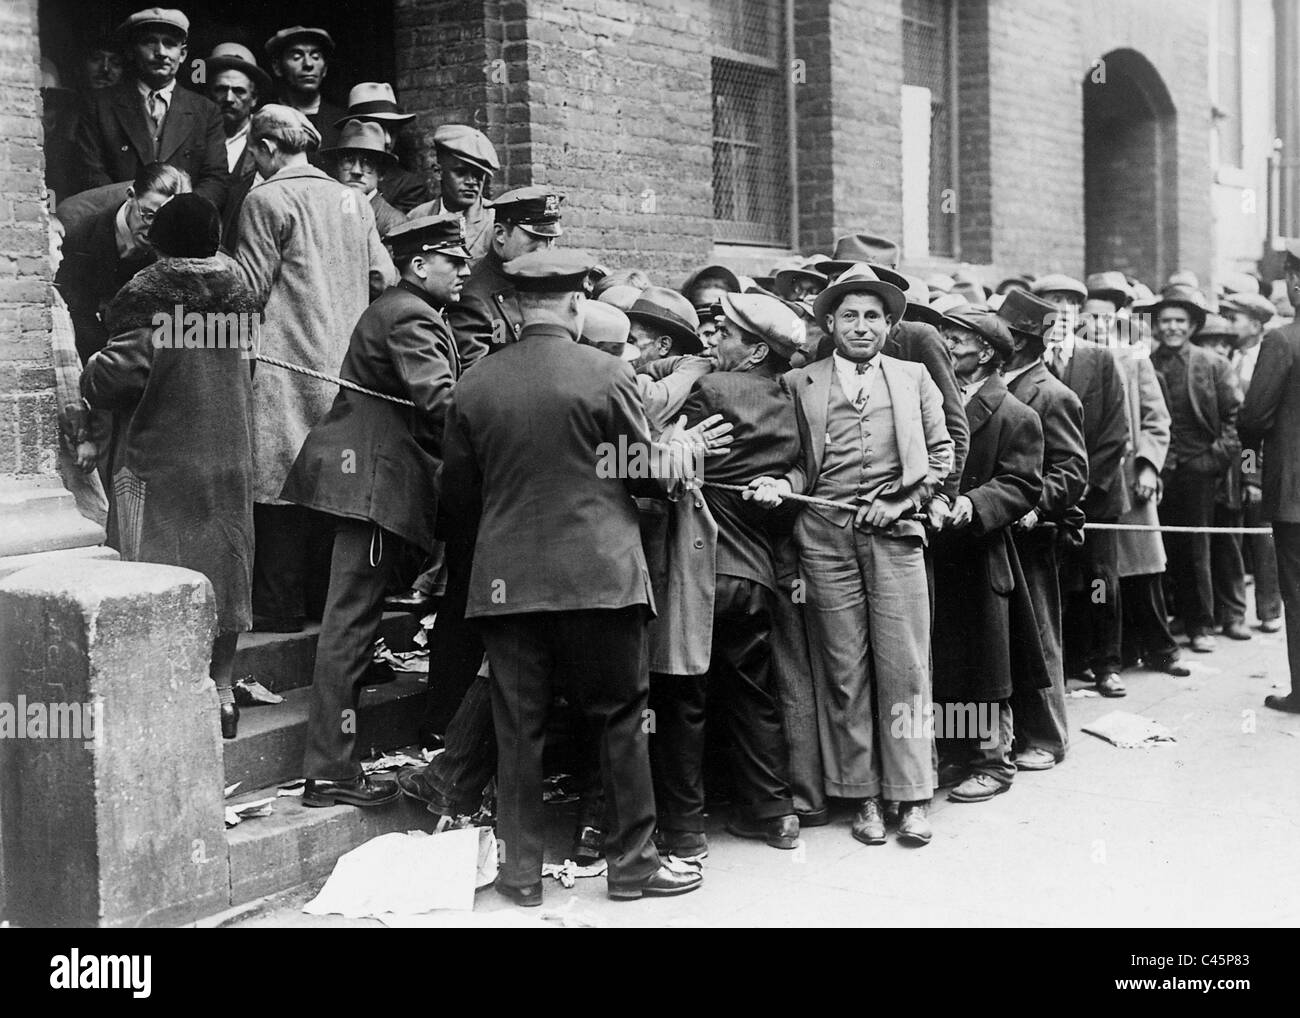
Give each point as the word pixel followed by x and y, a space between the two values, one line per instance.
pixel 549 271
pixel 444 234
pixel 534 209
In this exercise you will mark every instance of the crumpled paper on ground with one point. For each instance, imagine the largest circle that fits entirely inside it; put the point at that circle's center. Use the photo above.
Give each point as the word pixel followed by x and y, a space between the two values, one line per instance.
pixel 409 874
pixel 393 761
pixel 239 812
pixel 415 661
pixel 568 872
pixel 1129 731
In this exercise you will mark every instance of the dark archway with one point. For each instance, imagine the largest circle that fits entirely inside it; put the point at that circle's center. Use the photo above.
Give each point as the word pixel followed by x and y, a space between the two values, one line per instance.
pixel 1130 168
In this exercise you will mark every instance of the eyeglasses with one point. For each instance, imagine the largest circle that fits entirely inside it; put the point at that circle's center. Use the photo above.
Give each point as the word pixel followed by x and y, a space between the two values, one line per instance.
pixel 146 215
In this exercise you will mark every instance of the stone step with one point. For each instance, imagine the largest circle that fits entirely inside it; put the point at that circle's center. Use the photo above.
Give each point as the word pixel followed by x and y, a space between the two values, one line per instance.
pixel 284 661
pixel 271 739
pixel 298 843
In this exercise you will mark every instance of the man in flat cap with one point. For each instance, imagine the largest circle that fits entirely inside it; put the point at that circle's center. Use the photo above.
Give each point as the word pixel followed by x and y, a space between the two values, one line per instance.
pixel 526 220
pixel 375 102
pixel 309 251
pixel 300 60
pixel 145 118
pixel 401 346
pixel 1042 732
pixel 466 162
pixel 1090 573
pixel 559 584
pixel 872 434
pixel 359 161
pixel 983 607
pixel 747 389
pixel 1249 315
pixel 1270 424
pixel 232 80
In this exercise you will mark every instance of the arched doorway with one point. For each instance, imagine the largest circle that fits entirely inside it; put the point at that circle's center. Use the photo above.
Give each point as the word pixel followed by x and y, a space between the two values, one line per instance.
pixel 1130 168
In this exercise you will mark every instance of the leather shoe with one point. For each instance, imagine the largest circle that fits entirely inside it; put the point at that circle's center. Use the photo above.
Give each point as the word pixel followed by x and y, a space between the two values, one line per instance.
pixel 662 883
pixel 951 774
pixel 1236 631
pixel 869 824
pixel 363 790
pixel 979 787
pixel 411 783
pixel 914 824
pixel 688 846
pixel 229 720
pixel 528 897
pixel 778 832
pixel 1168 665
pixel 1270 626
pixel 1203 643
pixel 1290 704
pixel 588 845
pixel 1111 685
pixel 1035 759
pixel 411 601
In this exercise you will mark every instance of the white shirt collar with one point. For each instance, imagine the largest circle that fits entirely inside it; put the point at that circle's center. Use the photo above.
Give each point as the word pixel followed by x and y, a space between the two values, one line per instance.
pixel 235 145
pixel 122 231
pixel 1065 345
pixel 166 91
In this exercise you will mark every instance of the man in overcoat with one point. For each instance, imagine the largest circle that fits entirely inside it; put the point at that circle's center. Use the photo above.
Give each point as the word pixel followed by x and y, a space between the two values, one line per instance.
pixel 372 465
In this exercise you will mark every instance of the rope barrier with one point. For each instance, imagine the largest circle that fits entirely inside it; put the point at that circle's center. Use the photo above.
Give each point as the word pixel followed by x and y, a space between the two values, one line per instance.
pixel 825 503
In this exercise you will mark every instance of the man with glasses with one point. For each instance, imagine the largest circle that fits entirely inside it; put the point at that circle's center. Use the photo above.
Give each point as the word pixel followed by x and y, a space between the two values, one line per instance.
pixel 359 161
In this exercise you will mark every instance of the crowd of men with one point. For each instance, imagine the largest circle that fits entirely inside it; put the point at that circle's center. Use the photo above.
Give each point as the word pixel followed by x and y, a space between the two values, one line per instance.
pixel 867 523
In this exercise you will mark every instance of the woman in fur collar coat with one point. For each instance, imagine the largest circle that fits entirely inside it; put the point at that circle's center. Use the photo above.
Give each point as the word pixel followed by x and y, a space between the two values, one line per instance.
pixel 177 373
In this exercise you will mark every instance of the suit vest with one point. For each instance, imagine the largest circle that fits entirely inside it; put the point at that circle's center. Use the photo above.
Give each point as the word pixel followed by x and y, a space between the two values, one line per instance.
pixel 861 455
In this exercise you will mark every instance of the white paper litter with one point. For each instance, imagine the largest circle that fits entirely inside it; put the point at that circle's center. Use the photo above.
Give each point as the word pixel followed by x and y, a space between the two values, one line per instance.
pixel 1081 694
pixel 392 762
pixel 1129 731
pixel 409 874
pixel 568 872
pixel 415 661
pixel 239 812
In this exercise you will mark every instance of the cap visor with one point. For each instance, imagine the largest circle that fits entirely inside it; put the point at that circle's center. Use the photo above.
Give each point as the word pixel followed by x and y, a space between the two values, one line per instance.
pixel 541 229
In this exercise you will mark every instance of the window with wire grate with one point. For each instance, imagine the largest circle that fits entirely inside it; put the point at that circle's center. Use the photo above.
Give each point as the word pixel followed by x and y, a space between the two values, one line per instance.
pixel 928 63
pixel 751 122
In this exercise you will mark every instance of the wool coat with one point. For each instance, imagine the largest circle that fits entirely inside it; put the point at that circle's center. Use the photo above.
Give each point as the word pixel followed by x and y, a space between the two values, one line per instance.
pixel 1142 552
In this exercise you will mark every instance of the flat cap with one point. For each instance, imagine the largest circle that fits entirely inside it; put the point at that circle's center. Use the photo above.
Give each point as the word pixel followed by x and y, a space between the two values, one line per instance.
pixel 469 144
pixel 567 270
pixel 1240 282
pixel 1255 305
pixel 1059 282
pixel 274 118
pixel 282 38
pixel 444 234
pixel 605 326
pixel 767 318
pixel 987 325
pixel 534 209
pixel 667 309
pixel 162 17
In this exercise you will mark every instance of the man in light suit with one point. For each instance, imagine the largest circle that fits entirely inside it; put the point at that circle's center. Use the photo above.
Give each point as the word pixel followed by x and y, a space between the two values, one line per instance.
pixel 1270 421
pixel 148 118
pixel 559 584
pixel 872 434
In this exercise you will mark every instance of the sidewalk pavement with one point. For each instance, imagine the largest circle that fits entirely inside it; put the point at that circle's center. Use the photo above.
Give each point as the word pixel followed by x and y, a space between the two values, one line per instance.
pixel 1204 832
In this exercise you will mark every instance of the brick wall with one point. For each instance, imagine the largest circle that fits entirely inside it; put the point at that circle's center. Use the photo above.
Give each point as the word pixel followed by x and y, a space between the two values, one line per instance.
pixel 27 430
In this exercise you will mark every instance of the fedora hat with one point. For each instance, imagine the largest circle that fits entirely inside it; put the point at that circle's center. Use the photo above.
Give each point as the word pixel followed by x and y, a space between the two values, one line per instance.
pixel 1024 282
pixel 861 278
pixel 667 309
pixel 1188 298
pixel 946 303
pixel 604 326
pixel 1059 282
pixel 880 253
pixel 374 100
pixel 729 279
pixel 787 275
pixel 230 56
pixel 1215 328
pixel 1026 315
pixel 918 303
pixel 361 136
pixel 1111 286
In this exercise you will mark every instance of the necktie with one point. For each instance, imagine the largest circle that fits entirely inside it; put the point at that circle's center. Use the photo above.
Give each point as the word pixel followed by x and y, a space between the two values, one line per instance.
pixel 860 400
pixel 157 107
pixel 1055 359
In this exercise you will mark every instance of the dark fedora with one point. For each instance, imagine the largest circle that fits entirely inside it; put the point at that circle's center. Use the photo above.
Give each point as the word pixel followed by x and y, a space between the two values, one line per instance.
pixel 1027 315
pixel 668 310
pixel 880 253
pixel 1188 298
pixel 230 56
pixel 729 278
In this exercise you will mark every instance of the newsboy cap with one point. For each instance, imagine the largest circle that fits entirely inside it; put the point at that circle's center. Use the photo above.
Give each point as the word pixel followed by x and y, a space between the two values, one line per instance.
pixel 767 318
pixel 282 38
pixel 534 209
pixel 1256 305
pixel 161 17
pixel 567 270
pixel 987 325
pixel 444 234
pixel 467 143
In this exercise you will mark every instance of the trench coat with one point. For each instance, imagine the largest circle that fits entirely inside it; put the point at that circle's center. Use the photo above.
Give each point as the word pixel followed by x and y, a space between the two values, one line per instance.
pixel 307 246
pixel 986 634
pixel 1142 552
pixel 182 475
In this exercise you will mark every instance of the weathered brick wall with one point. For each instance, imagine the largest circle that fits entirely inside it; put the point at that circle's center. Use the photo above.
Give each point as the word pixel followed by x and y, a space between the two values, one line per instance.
pixel 27 429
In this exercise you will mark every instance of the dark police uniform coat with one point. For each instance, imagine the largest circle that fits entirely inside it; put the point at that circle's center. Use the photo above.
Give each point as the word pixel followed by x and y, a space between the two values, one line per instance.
pixel 985 626
pixel 487 316
pixel 402 346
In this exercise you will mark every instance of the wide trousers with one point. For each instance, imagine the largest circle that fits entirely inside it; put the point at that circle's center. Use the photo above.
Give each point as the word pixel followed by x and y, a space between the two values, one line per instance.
pixel 454 645
pixel 363 558
pixel 603 654
pixel 1146 621
pixel 1093 602
pixel 290 565
pixel 1286 543
pixel 1227 569
pixel 739 694
pixel 868 617
pixel 1262 564
pixel 1040 721
pixel 1189 502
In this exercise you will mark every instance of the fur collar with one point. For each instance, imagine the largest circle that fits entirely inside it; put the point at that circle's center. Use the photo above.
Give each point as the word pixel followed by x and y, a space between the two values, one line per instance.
pixel 197 284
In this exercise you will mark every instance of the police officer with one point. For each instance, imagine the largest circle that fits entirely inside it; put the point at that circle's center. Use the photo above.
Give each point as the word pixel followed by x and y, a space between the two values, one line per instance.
pixel 373 465
pixel 487 317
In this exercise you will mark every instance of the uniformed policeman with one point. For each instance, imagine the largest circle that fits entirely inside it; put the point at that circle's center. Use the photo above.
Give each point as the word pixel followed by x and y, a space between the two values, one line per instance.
pixel 487 317
pixel 466 162
pixel 373 464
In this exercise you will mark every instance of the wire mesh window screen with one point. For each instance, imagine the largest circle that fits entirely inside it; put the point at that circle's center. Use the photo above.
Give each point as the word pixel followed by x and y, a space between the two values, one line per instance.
pixel 927 63
pixel 751 123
